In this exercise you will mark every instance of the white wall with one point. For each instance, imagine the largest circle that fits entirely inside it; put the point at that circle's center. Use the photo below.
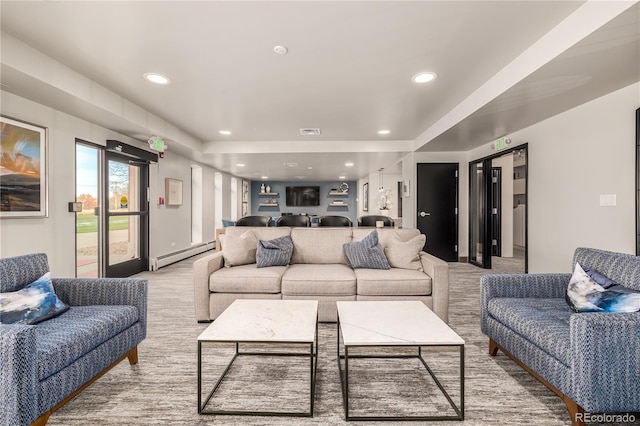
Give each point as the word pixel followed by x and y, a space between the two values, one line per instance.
pixel 170 227
pixel 573 158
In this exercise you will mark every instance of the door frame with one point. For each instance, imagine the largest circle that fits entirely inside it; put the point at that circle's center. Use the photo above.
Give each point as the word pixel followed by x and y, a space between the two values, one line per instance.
pixel 487 205
pixel 496 211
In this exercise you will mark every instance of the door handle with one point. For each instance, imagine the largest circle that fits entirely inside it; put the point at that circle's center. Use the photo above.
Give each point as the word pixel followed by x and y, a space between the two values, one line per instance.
pixel 423 214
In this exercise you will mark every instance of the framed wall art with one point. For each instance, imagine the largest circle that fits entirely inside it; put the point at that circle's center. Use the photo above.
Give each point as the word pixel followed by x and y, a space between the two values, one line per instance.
pixel 23 169
pixel 365 197
pixel 173 191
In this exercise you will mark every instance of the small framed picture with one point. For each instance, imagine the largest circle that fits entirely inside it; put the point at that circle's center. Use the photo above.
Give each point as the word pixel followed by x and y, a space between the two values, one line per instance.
pixel 406 189
pixel 173 191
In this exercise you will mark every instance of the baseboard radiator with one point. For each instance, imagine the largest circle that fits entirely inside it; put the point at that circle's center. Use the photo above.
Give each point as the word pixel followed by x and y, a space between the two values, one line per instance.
pixel 156 263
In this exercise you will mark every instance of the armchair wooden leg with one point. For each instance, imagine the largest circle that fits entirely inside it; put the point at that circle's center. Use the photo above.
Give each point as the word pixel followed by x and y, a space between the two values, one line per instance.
pixel 132 356
pixel 42 420
pixel 493 348
pixel 575 411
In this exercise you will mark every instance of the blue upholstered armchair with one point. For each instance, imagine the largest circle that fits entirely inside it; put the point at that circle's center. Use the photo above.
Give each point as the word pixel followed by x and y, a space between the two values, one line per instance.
pixel 592 359
pixel 42 366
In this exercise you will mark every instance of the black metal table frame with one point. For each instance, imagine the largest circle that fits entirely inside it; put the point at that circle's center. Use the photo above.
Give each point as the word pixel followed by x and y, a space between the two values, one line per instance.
pixel 344 381
pixel 313 358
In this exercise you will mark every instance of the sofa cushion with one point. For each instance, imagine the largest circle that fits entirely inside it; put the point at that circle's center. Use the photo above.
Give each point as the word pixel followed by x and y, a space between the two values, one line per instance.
pixel 62 340
pixel 247 279
pixel 320 245
pixel 239 249
pixel 366 253
pixel 32 304
pixel 385 235
pixel 586 295
pixel 543 322
pixel 317 279
pixel 405 254
pixel 392 282
pixel 276 252
pixel 260 232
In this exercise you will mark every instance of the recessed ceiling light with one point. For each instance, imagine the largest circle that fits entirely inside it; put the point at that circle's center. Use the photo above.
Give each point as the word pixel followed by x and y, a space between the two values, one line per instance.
pixel 280 50
pixel 265 177
pixel 342 177
pixel 424 77
pixel 384 132
pixel 154 77
pixel 310 168
pixel 224 132
pixel 349 164
pixel 240 165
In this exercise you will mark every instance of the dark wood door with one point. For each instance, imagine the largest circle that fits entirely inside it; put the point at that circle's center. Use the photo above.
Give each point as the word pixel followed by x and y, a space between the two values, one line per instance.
pixel 437 203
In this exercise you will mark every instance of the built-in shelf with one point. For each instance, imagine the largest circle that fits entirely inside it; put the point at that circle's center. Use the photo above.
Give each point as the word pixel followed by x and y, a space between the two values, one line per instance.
pixel 338 194
pixel 267 194
pixel 268 204
pixel 337 204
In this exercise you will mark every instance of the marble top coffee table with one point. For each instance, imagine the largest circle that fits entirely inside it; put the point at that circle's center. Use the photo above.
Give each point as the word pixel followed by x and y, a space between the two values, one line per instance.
pixel 394 324
pixel 273 322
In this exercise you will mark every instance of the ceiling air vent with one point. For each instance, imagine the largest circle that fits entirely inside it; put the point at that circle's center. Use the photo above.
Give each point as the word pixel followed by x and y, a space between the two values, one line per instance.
pixel 310 131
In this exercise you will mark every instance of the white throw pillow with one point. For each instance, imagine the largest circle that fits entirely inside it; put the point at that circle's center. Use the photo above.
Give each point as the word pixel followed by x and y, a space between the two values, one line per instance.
pixel 240 250
pixel 405 254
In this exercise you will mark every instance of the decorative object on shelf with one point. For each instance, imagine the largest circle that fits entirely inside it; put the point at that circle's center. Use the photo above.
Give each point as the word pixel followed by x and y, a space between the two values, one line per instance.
pixel 173 191
pixel 268 189
pixel 365 197
pixel 384 196
pixel 24 180
pixel 262 188
pixel 344 188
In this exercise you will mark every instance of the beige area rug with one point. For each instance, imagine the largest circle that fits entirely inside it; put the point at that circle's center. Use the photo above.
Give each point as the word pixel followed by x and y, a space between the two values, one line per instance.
pixel 161 389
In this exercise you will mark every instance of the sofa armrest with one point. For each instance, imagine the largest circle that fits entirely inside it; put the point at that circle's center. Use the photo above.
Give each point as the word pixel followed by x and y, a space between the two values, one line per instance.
pixel 202 270
pixel 104 291
pixel 605 361
pixel 544 286
pixel 18 374
pixel 438 270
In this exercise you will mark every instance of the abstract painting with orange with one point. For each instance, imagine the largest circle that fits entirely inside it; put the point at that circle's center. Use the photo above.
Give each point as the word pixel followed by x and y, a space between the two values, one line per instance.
pixel 22 185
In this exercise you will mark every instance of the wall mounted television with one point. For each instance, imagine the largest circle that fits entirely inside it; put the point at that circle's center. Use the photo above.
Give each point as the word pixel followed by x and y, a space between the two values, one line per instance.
pixel 303 196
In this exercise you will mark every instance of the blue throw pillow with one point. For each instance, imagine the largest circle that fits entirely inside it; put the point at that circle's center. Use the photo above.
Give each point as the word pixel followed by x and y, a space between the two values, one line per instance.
pixel 584 294
pixel 276 252
pixel 366 253
pixel 34 303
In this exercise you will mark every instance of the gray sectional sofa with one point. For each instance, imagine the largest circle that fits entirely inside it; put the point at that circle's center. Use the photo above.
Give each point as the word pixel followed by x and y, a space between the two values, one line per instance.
pixel 592 359
pixel 320 270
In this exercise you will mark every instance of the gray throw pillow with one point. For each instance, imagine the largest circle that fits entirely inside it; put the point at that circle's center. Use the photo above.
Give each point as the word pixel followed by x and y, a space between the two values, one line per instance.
pixel 276 252
pixel 405 254
pixel 240 250
pixel 366 253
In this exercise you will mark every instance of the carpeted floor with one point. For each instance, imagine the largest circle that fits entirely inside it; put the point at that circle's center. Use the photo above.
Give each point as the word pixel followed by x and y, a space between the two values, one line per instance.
pixel 161 388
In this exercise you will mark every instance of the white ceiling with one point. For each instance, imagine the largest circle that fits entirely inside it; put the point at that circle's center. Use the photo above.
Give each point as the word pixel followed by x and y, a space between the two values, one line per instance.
pixel 347 72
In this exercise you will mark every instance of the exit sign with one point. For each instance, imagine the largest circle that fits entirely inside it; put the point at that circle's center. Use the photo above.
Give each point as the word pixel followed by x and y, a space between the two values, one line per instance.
pixel 500 143
pixel 156 143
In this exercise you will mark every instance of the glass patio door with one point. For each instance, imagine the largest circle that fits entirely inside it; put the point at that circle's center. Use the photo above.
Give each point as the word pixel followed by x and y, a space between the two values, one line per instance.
pixel 127 215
